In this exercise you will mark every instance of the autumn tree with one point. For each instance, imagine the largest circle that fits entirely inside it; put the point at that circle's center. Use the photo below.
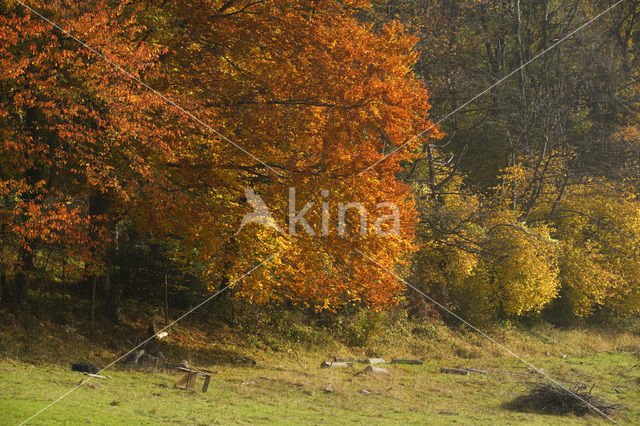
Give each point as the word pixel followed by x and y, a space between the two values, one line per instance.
pixel 78 144
pixel 284 95
pixel 318 97
pixel 541 151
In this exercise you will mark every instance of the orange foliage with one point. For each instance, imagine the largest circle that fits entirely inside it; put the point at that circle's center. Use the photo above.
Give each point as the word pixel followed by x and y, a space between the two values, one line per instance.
pixel 319 97
pixel 303 86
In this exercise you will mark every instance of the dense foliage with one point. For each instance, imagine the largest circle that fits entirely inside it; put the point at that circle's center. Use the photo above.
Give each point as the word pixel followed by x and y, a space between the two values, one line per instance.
pixel 531 200
pixel 525 200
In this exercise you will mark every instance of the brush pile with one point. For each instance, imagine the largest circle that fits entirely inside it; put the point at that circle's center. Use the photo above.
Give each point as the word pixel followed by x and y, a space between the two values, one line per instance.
pixel 552 399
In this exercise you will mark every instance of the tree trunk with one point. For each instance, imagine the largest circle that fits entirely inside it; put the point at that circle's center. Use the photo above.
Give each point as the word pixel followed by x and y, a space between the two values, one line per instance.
pixel 166 301
pixel 21 284
pixel 94 281
pixel 113 303
pixel 4 287
pixel 20 289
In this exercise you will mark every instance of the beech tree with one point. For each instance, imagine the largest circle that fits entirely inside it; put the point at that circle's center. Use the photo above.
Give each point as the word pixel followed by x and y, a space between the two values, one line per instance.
pixel 300 94
pixel 77 143
pixel 318 97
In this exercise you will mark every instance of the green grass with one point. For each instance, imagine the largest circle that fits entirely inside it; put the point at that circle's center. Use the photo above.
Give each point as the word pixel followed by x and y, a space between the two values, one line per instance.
pixel 266 394
pixel 35 355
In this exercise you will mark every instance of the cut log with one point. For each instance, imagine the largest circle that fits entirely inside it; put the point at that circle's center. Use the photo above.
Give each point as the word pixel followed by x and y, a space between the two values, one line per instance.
pixel 515 373
pixel 243 360
pixel 406 361
pixel 375 370
pixel 374 361
pixel 460 371
pixel 331 364
pixel 338 359
pixel 475 370
pixel 81 367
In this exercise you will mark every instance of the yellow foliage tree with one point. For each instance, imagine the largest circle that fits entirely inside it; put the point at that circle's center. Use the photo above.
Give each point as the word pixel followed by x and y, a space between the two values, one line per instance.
pixel 600 262
pixel 482 260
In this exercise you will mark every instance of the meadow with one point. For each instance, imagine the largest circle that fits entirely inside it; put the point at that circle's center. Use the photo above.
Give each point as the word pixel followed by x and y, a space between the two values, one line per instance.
pixel 287 385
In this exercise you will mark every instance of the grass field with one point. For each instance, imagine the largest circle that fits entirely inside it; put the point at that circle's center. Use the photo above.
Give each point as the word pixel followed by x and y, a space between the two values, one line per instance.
pixel 267 394
pixel 282 389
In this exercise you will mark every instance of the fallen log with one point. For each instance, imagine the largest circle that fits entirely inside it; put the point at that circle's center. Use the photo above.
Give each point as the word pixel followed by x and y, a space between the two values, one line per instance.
pixel 475 370
pixel 244 360
pixel 338 359
pixel 460 371
pixel 515 373
pixel 85 368
pixel 368 392
pixel 406 361
pixel 374 361
pixel 332 364
pixel 375 370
